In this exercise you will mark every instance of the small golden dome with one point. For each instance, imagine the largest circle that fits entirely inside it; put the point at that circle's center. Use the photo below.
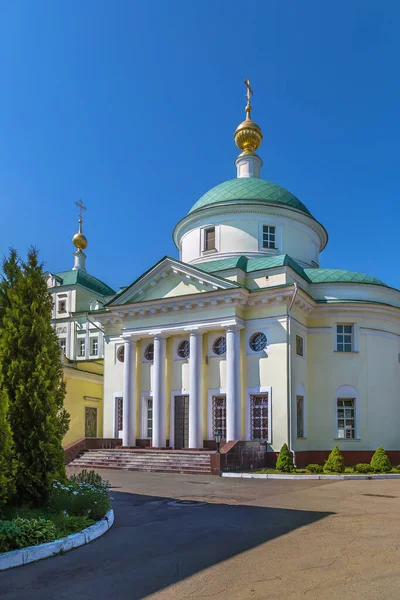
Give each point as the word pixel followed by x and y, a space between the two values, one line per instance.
pixel 248 136
pixel 79 240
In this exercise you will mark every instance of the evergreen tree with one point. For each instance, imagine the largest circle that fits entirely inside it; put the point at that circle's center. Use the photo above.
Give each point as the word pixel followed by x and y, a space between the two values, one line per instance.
pixel 334 462
pixel 11 269
pixel 285 460
pixel 32 379
pixel 380 462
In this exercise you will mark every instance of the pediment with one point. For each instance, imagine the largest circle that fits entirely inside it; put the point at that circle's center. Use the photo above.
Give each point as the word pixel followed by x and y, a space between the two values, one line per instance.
pixel 170 278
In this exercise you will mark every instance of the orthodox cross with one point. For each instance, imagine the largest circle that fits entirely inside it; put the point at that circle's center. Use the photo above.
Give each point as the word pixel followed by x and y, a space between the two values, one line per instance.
pixel 249 90
pixel 81 208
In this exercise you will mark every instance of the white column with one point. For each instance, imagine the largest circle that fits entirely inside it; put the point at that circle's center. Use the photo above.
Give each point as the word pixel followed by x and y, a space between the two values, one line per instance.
pixel 129 394
pixel 159 417
pixel 233 384
pixel 195 381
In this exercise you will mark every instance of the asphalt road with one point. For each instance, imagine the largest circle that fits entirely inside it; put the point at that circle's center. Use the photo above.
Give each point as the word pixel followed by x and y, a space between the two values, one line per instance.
pixel 252 540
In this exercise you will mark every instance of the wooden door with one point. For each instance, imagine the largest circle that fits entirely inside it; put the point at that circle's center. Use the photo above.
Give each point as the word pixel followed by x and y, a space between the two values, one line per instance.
pixel 181 422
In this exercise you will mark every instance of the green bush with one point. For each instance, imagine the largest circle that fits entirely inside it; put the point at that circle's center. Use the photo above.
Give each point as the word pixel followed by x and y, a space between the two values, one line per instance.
pixel 363 468
pixel 25 532
pixel 285 460
pixel 335 462
pixel 313 468
pixel 66 525
pixel 348 470
pixel 8 536
pixel 90 477
pixel 380 462
pixel 80 500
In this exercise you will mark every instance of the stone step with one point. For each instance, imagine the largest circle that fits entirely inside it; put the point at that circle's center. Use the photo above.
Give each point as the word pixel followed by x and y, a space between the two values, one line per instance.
pixel 152 458
pixel 148 468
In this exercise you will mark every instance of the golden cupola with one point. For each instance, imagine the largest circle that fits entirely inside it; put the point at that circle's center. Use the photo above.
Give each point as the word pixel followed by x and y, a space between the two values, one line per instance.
pixel 248 135
pixel 80 242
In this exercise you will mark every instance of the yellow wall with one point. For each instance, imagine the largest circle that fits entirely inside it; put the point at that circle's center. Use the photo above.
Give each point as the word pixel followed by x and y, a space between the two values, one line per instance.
pixel 80 383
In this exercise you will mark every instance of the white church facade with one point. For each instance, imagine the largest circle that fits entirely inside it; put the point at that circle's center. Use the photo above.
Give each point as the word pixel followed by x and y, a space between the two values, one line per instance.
pixel 247 335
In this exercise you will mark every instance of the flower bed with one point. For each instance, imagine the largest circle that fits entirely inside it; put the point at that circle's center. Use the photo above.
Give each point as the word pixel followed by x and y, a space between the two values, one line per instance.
pixel 73 506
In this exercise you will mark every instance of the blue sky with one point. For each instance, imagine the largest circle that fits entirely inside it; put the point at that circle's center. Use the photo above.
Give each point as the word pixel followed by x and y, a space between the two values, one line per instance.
pixel 131 106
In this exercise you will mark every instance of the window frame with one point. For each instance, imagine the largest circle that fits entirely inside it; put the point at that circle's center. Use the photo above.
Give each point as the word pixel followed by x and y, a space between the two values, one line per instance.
pixel 268 233
pixel 203 230
pixel 82 344
pixel 254 392
pixel 354 337
pixel 302 436
pixel 347 392
pixel 145 346
pixel 61 301
pixel 61 344
pixel 301 337
pixel 94 340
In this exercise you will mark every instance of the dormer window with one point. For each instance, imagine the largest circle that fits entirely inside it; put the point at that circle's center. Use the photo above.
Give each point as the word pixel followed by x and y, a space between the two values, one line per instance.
pixel 209 239
pixel 268 237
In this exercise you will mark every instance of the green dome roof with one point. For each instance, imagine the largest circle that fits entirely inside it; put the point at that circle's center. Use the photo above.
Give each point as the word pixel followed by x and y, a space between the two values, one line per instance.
pixel 340 276
pixel 248 189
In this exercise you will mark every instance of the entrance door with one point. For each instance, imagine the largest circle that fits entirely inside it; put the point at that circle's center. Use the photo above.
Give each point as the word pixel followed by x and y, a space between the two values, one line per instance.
pixel 219 414
pixel 181 422
pixel 119 418
pixel 90 421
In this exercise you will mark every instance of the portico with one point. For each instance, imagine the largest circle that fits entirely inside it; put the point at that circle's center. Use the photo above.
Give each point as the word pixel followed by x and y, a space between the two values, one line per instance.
pixel 160 387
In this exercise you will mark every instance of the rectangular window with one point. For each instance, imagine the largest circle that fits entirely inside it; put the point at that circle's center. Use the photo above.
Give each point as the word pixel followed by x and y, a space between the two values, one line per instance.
pixel 219 415
pixel 259 416
pixel 268 240
pixel 82 347
pixel 300 416
pixel 344 338
pixel 94 346
pixel 62 306
pixel 63 344
pixel 209 239
pixel 299 345
pixel 346 418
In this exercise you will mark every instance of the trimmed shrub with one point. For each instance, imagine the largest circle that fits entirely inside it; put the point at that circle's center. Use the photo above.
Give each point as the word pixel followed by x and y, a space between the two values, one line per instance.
pixel 380 462
pixel 363 468
pixel 335 462
pixel 285 460
pixel 313 468
pixel 348 470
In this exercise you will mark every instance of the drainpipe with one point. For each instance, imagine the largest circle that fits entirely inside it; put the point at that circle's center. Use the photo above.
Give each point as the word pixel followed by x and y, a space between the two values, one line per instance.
pixel 289 372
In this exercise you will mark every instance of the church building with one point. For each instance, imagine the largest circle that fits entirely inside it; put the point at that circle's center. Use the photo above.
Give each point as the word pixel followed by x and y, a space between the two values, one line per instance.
pixel 246 335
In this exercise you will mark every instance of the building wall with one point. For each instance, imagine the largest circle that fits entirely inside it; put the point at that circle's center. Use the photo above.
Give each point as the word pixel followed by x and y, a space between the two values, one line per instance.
pixel 83 389
pixel 372 375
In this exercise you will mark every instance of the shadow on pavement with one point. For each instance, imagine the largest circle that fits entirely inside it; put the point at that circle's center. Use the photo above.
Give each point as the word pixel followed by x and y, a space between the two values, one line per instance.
pixel 152 545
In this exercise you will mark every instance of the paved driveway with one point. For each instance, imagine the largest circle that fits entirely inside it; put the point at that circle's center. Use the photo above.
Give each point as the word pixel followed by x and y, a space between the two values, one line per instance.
pixel 252 540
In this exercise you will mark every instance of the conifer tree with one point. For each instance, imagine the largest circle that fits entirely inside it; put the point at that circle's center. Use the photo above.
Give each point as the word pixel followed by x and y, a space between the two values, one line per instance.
pixel 7 462
pixel 32 379
pixel 285 460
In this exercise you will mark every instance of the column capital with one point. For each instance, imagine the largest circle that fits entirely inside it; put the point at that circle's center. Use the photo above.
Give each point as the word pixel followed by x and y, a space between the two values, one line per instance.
pixel 160 335
pixel 234 327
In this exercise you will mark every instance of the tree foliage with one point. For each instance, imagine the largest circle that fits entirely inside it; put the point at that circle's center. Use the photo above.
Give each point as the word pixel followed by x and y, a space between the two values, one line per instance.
pixel 285 460
pixel 31 379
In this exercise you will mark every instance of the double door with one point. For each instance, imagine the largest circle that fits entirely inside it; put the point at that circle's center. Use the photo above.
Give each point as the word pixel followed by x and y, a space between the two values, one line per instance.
pixel 181 422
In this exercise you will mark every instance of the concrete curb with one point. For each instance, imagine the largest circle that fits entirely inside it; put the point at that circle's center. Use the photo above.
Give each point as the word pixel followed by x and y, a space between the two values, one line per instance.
pixel 301 477
pixel 17 558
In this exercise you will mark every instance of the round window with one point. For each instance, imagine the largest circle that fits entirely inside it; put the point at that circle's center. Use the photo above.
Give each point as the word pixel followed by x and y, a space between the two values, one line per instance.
pixel 219 346
pixel 121 354
pixel 184 349
pixel 258 341
pixel 149 352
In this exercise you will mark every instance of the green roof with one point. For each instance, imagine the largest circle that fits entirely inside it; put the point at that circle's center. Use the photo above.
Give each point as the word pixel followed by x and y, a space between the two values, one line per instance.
pixel 247 190
pixel 248 265
pixel 340 276
pixel 261 263
pixel 79 277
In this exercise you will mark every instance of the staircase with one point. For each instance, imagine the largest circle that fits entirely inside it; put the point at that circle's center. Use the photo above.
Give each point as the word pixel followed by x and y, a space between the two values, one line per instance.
pixel 158 461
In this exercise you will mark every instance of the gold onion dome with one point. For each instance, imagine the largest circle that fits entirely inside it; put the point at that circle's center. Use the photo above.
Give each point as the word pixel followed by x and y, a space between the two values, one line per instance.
pixel 79 240
pixel 248 135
